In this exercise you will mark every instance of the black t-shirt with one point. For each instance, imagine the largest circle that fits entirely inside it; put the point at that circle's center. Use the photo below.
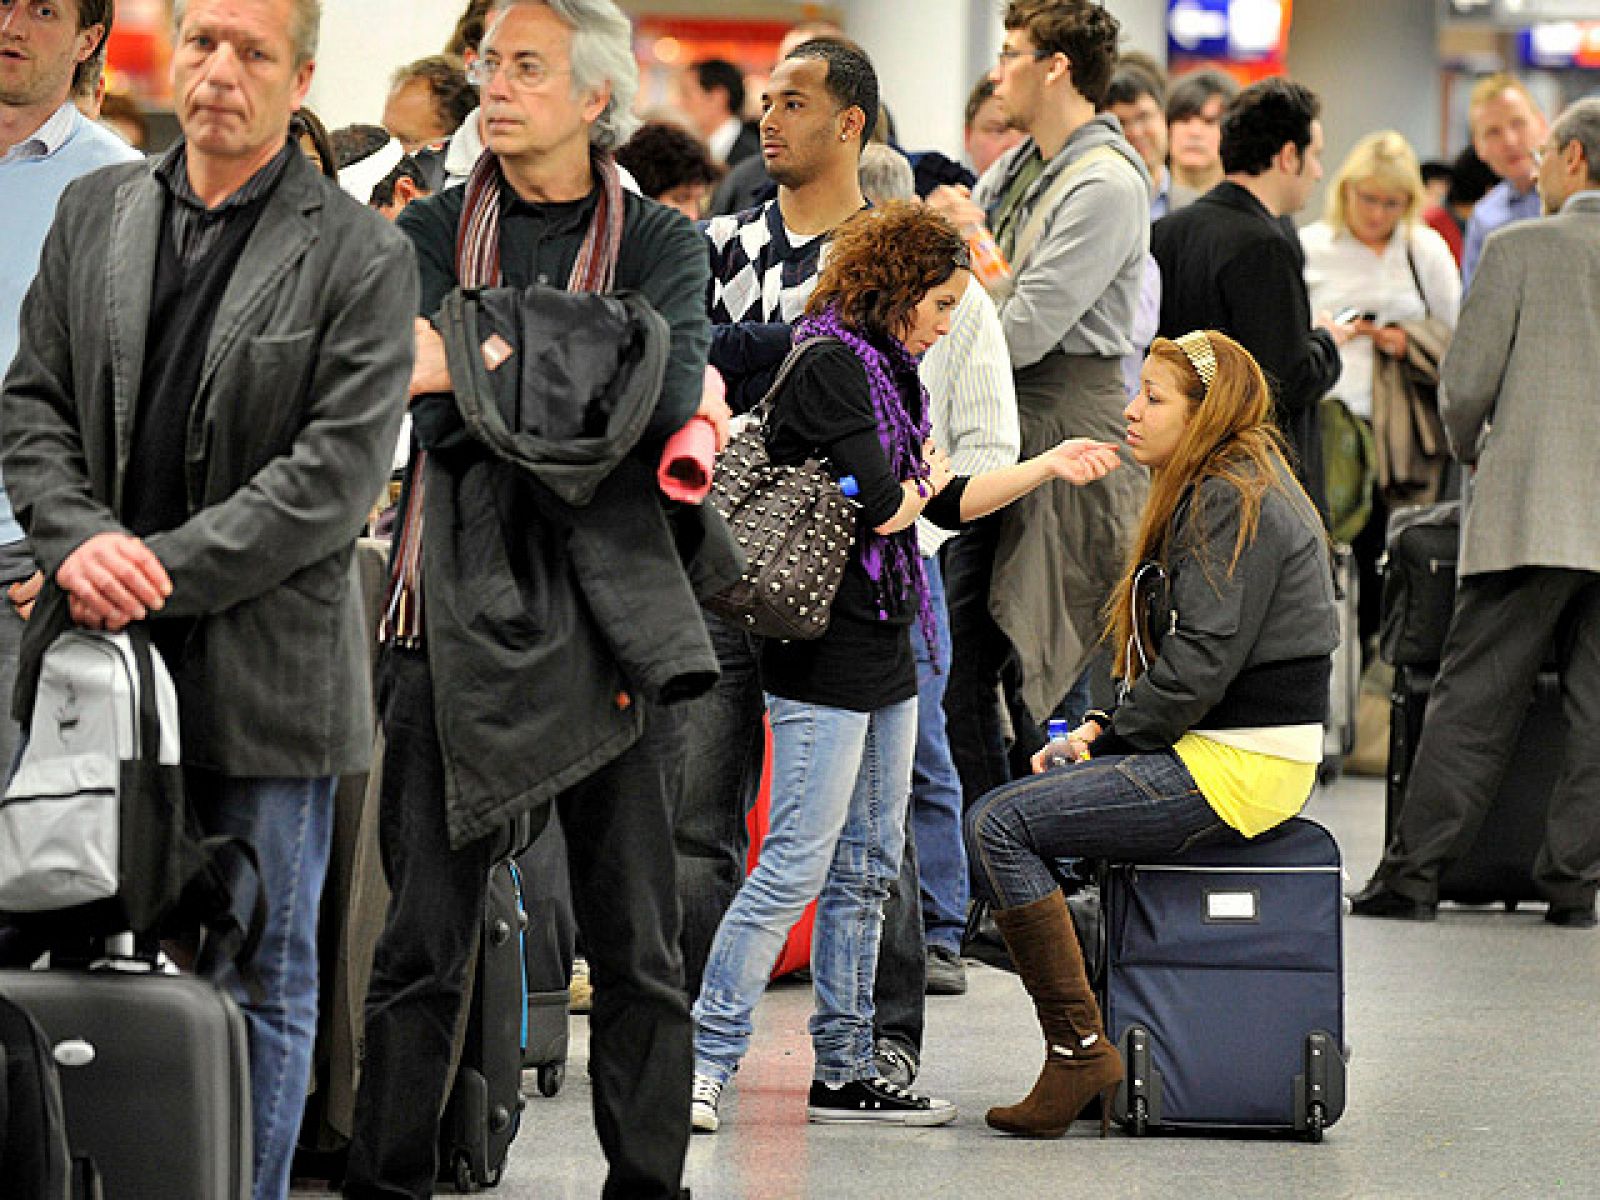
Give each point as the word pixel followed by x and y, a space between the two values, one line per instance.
pixel 864 661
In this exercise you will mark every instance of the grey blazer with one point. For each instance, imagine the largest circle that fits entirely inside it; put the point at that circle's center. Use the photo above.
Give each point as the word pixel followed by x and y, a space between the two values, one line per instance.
pixel 290 440
pixel 1520 396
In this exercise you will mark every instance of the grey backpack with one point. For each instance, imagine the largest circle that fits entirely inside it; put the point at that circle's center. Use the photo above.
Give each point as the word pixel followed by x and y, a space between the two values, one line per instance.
pixel 62 814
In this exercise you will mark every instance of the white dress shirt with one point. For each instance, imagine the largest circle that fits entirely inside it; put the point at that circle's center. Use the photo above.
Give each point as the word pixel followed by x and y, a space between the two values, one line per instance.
pixel 972 398
pixel 1342 272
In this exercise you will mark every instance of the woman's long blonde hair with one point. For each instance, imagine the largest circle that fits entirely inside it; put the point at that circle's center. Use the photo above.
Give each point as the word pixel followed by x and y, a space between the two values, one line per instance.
pixel 1231 436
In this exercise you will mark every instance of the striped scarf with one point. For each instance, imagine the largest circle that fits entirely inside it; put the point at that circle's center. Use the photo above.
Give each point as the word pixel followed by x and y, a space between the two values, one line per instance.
pixel 478 266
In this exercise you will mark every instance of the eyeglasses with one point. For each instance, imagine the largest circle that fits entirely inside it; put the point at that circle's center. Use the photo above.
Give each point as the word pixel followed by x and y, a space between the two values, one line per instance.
pixel 524 74
pixel 1386 203
pixel 1005 56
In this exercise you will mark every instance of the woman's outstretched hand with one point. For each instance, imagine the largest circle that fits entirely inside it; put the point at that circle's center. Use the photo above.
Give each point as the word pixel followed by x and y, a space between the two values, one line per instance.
pixel 1080 460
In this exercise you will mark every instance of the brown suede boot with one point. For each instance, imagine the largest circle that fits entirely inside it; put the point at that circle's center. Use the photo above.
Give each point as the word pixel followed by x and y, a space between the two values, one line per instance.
pixel 1080 1060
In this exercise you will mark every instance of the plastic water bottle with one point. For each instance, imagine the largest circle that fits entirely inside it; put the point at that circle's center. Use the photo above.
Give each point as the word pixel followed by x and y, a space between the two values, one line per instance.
pixel 989 265
pixel 1058 755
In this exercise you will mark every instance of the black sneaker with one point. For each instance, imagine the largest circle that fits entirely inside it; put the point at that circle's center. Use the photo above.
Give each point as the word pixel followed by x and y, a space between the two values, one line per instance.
pixel 874 1100
pixel 947 974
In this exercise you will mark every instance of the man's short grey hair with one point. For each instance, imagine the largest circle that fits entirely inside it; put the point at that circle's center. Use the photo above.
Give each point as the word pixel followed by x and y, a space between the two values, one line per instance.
pixel 1581 123
pixel 304 27
pixel 602 52
pixel 886 174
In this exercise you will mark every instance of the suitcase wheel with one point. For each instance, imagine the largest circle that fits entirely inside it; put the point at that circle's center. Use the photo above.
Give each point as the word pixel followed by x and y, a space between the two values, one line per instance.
pixel 465 1183
pixel 551 1077
pixel 1139 1117
pixel 1314 1122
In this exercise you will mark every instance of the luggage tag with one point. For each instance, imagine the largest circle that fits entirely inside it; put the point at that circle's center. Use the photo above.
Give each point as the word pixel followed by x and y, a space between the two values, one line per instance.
pixel 496 352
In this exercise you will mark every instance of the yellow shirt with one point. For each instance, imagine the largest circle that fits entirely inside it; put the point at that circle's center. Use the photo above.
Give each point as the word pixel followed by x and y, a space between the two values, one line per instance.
pixel 1249 790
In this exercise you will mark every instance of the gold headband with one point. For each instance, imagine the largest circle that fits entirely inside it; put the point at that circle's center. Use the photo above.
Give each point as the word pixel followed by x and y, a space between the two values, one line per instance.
pixel 1197 349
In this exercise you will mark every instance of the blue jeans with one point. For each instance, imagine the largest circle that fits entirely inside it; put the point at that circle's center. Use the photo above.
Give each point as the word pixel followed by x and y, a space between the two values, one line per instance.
pixel 290 823
pixel 935 784
pixel 841 781
pixel 1119 807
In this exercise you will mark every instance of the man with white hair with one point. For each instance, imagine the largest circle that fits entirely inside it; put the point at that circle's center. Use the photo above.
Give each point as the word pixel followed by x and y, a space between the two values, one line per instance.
pixel 474 742
pixel 211 373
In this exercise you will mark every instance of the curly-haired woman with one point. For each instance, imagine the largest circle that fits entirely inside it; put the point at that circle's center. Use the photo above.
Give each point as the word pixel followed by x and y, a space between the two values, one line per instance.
pixel 843 706
pixel 1225 627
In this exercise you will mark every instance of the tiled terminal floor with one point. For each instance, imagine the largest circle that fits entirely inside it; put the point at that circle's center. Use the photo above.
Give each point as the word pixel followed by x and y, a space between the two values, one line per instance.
pixel 1476 1074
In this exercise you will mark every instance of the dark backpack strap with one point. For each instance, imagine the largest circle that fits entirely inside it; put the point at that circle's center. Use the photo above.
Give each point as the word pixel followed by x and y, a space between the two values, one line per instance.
pixel 149 711
pixel 208 894
pixel 209 900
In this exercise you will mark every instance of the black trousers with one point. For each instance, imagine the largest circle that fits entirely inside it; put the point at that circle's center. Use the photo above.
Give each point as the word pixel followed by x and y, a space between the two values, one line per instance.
pixel 980 655
pixel 1503 624
pixel 899 990
pixel 619 850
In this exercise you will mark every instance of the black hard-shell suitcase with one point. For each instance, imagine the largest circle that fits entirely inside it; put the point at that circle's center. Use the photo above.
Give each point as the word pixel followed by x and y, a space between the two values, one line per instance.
pixel 484 1111
pixel 155 1079
pixel 1498 866
pixel 548 948
pixel 35 1160
pixel 1224 984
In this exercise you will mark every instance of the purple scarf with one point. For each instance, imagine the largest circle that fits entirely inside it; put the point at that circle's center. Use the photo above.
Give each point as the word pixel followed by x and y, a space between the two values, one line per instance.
pixel 892 562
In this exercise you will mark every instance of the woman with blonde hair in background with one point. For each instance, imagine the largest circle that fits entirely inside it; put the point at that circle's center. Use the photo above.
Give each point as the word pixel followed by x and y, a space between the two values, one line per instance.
pixel 1372 253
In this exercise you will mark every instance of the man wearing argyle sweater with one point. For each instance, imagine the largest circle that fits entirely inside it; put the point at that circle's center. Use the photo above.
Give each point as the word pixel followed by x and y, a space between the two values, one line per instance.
pixel 764 263
pixel 762 274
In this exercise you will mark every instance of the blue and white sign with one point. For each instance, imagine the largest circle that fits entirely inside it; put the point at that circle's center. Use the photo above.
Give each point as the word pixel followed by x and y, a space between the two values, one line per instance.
pixel 1235 30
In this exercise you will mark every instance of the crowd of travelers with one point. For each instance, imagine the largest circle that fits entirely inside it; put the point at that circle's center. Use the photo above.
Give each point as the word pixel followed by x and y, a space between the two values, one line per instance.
pixel 1078 384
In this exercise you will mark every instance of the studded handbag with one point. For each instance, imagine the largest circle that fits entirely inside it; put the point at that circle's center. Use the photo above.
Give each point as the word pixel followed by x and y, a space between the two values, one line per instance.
pixel 793 524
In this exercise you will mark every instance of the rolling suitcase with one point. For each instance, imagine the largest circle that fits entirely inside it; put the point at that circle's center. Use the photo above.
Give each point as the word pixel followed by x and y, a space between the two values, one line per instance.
pixel 155 1079
pixel 1224 984
pixel 548 948
pixel 1498 865
pixel 1339 738
pixel 484 1111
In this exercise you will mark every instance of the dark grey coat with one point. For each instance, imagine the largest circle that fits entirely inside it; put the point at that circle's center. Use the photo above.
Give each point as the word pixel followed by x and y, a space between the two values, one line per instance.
pixel 290 441
pixel 555 598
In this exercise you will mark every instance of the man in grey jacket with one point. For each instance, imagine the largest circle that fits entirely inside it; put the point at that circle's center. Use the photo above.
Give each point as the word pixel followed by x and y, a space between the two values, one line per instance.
pixel 1518 405
pixel 1070 209
pixel 201 413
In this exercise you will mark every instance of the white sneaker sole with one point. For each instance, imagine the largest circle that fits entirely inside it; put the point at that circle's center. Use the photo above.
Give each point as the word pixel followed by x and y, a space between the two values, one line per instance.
pixel 701 1121
pixel 917 1117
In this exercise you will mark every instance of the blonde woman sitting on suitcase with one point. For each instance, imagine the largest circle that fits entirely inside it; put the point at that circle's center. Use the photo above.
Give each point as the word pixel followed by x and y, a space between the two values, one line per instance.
pixel 1225 625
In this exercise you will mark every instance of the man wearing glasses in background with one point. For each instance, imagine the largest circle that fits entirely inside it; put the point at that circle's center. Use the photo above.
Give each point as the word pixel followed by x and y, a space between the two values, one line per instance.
pixel 1070 210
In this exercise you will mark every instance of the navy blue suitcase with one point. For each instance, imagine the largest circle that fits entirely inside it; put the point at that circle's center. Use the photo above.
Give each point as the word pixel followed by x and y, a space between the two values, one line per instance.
pixel 1224 985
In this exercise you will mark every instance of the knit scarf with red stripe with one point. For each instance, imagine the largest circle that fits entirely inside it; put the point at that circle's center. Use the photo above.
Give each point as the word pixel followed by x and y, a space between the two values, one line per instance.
pixel 478 266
